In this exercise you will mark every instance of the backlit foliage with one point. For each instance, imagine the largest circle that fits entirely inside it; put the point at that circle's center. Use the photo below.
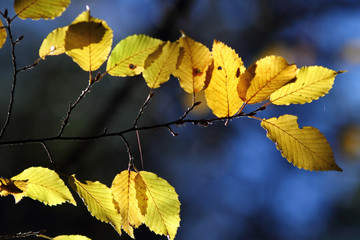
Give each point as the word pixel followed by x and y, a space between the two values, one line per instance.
pixel 140 197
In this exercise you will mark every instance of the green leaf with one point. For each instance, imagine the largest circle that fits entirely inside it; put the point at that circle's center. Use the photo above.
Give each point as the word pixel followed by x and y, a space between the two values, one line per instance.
pixel 54 43
pixel 99 201
pixel 129 55
pixel 45 185
pixel 306 148
pixel 161 201
pixel 311 83
pixel 36 9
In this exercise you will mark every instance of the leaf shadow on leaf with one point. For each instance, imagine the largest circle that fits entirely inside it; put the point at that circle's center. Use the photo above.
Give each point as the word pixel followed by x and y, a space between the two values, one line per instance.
pixel 82 34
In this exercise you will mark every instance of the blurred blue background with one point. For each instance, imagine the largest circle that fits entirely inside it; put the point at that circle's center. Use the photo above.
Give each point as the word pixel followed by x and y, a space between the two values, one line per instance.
pixel 232 182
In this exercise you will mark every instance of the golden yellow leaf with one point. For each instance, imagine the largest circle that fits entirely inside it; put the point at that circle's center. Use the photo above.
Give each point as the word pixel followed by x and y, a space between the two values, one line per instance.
pixel 3 34
pixel 221 94
pixel 124 193
pixel 194 63
pixel 270 74
pixel 16 188
pixel 54 43
pixel 45 185
pixel 159 71
pixel 36 9
pixel 71 237
pixel 310 84
pixel 88 41
pixel 306 148
pixel 129 55
pixel 244 82
pixel 163 206
pixel 99 201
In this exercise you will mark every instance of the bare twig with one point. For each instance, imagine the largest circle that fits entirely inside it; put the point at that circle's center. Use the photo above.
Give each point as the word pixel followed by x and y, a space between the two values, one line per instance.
pixel 151 94
pixel 23 235
pixel 131 164
pixel 51 158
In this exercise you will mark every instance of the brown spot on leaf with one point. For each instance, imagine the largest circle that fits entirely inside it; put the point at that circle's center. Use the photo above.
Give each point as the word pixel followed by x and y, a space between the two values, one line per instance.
pixel 132 66
pixel 219 68
pixel 238 73
pixel 197 72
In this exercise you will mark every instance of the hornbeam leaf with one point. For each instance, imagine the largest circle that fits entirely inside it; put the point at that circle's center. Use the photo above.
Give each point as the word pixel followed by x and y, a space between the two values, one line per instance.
pixel 3 35
pixel 311 83
pixel 195 61
pixel 54 43
pixel 129 55
pixel 16 188
pixel 221 94
pixel 45 185
pixel 124 193
pixel 99 201
pixel 71 237
pixel 88 41
pixel 159 71
pixel 269 74
pixel 163 206
pixel 306 148
pixel 36 9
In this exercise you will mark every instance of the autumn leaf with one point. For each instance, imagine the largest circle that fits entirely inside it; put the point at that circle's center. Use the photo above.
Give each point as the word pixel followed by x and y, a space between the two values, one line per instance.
pixel 162 203
pixel 16 188
pixel 3 34
pixel 71 237
pixel 311 83
pixel 159 71
pixel 45 185
pixel 221 94
pixel 54 43
pixel 306 148
pixel 88 41
pixel 194 63
pixel 124 193
pixel 129 55
pixel 269 74
pixel 36 9
pixel 99 201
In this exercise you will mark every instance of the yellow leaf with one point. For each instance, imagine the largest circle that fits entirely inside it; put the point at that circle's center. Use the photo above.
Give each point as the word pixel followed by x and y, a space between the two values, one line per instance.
pixel 3 35
pixel 124 193
pixel 129 55
pixel 193 66
pixel 36 9
pixel 54 43
pixel 99 201
pixel 16 188
pixel 88 41
pixel 306 148
pixel 270 74
pixel 162 203
pixel 159 71
pixel 311 83
pixel 221 94
pixel 244 82
pixel 71 237
pixel 45 185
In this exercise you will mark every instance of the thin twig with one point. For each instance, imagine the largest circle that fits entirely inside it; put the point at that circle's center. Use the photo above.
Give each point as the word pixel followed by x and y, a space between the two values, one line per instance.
pixel 51 158
pixel 71 108
pixel 131 164
pixel 151 94
pixel 23 235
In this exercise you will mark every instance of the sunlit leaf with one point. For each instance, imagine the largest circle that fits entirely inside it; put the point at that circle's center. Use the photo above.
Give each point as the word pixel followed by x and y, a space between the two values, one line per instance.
pixel 54 43
pixel 159 71
pixel 3 34
pixel 124 193
pixel 194 63
pixel 270 74
pixel 88 41
pixel 129 55
pixel 36 9
pixel 16 188
pixel 45 185
pixel 99 201
pixel 306 148
pixel 311 83
pixel 71 237
pixel 163 206
pixel 221 94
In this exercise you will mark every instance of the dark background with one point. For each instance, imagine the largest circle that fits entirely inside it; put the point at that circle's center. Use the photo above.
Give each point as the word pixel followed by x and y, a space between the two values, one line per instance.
pixel 232 182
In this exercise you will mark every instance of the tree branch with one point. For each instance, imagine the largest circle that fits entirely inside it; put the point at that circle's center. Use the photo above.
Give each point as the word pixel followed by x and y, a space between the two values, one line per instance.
pixel 23 235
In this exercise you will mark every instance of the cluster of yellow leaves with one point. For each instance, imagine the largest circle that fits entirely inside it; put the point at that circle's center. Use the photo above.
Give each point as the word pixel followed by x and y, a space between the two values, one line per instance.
pixel 133 199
